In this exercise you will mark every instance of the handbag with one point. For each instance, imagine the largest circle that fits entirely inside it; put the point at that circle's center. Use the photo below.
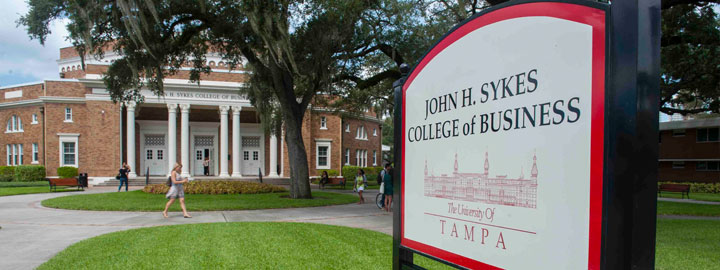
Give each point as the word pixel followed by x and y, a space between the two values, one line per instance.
pixel 382 188
pixel 169 181
pixel 117 176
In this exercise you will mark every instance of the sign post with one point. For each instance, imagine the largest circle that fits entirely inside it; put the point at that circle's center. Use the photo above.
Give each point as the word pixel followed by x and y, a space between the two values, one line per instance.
pixel 526 138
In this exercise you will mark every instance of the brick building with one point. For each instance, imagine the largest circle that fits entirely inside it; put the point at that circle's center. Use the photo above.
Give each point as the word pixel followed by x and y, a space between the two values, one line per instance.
pixel 690 150
pixel 73 122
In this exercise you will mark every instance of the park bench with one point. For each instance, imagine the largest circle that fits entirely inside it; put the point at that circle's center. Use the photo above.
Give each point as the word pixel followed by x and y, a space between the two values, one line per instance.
pixel 71 182
pixel 682 188
pixel 334 181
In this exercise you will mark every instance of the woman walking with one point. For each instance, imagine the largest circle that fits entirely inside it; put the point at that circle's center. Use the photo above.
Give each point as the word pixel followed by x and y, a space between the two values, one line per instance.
pixel 360 183
pixel 124 170
pixel 176 191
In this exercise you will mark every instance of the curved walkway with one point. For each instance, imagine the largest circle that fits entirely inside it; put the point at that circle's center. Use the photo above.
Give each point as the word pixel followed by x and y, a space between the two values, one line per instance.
pixel 32 234
pixel 687 201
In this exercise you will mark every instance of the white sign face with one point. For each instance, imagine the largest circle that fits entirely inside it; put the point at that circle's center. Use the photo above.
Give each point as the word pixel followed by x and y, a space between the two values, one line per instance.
pixel 498 128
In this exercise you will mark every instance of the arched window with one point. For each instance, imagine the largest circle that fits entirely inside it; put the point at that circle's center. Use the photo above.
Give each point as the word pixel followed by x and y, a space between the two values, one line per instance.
pixel 63 69
pixel 212 63
pixel 14 124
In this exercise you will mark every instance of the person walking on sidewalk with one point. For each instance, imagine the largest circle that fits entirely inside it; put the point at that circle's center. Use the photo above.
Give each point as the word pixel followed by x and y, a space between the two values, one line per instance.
pixel 124 170
pixel 206 166
pixel 176 191
pixel 360 184
pixel 388 185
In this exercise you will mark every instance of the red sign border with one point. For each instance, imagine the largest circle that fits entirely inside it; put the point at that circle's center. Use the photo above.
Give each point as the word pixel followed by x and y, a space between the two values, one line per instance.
pixel 594 17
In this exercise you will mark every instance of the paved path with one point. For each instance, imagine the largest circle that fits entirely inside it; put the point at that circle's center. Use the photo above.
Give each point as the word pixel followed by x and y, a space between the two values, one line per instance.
pixel 687 201
pixel 32 234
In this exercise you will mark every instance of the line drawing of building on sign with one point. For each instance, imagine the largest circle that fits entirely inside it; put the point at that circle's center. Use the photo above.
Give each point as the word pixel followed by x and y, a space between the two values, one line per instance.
pixel 481 187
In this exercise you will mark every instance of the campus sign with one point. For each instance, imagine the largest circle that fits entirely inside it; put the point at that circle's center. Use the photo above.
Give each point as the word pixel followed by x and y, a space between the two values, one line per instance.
pixel 503 140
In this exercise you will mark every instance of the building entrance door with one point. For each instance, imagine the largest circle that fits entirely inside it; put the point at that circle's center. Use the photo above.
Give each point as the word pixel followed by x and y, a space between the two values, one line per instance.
pixel 154 155
pixel 251 159
pixel 203 149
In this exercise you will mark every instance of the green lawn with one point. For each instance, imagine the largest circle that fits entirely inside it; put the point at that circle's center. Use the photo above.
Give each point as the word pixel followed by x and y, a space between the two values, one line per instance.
pixel 141 201
pixel 687 244
pixel 24 184
pixel 8 191
pixel 681 244
pixel 711 197
pixel 687 209
pixel 232 246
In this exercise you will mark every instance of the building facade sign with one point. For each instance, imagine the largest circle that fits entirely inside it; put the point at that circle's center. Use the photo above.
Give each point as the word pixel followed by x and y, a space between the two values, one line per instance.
pixel 193 95
pixel 503 141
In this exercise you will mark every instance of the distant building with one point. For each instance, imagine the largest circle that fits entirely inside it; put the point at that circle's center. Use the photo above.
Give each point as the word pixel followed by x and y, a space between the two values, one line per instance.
pixel 690 150
pixel 73 122
pixel 482 187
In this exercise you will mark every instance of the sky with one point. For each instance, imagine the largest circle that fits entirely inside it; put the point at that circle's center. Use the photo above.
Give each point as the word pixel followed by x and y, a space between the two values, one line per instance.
pixel 23 60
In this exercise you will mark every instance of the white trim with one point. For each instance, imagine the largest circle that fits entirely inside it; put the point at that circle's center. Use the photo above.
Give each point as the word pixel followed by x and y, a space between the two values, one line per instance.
pixel 319 144
pixel 56 99
pixel 34 119
pixel 687 124
pixel 688 159
pixel 13 94
pixel 65 113
pixel 21 103
pixel 347 156
pixel 69 137
pixel 21 85
pixel 323 140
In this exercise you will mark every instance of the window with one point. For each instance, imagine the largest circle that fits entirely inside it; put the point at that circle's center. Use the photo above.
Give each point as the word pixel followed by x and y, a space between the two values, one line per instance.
pixel 322 155
pixel 20 154
pixel 35 153
pixel 68 114
pixel 678 132
pixel 708 134
pixel 255 155
pixel 678 164
pixel 323 122
pixel 68 153
pixel 375 132
pixel 159 154
pixel 374 157
pixel 14 124
pixel 246 155
pixel 34 119
pixel 68 149
pixel 361 134
pixel 347 128
pixel 361 158
pixel 148 154
pixel 9 155
pixel 707 166
pixel 347 156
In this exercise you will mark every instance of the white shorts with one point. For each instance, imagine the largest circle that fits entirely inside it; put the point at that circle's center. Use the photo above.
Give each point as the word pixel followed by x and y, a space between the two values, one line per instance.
pixel 361 188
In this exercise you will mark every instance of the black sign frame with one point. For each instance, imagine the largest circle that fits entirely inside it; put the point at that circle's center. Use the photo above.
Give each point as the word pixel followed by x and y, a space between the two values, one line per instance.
pixel 629 186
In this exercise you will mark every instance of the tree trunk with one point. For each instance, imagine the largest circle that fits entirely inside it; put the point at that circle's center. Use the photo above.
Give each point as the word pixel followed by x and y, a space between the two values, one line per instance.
pixel 299 174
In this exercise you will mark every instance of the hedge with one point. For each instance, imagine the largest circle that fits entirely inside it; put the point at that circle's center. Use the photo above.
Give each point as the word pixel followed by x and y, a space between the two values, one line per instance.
pixel 67 172
pixel 698 187
pixel 218 187
pixel 7 173
pixel 29 173
pixel 331 173
pixel 370 172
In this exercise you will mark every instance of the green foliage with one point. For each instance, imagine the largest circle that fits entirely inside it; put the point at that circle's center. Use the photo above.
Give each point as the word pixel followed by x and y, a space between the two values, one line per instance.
pixel 67 172
pixel 24 184
pixel 330 173
pixel 698 187
pixel 7 173
pixel 218 187
pixel 349 172
pixel 29 173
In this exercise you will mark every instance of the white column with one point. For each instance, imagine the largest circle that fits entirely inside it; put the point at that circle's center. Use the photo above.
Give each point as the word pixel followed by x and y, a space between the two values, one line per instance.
pixel 172 136
pixel 185 139
pixel 131 137
pixel 273 156
pixel 282 151
pixel 224 141
pixel 236 141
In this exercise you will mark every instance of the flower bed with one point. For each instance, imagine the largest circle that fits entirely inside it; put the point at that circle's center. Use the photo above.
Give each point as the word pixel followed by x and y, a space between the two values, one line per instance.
pixel 218 187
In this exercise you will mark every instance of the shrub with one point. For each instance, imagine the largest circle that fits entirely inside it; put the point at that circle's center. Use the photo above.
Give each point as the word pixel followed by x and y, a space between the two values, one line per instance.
pixel 370 172
pixel 698 187
pixel 7 173
pixel 331 173
pixel 218 187
pixel 29 173
pixel 67 172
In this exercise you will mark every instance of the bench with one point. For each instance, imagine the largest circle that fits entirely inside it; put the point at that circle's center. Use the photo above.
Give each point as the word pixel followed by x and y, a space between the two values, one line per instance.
pixel 682 188
pixel 334 181
pixel 71 182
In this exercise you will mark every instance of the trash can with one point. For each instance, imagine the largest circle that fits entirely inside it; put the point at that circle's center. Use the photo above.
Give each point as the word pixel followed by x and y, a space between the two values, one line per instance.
pixel 83 179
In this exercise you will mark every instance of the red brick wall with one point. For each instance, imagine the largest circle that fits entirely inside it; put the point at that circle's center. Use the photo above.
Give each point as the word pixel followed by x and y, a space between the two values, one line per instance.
pixel 687 147
pixel 55 123
pixel 372 142
pixel 66 89
pixel 28 92
pixel 32 133
pixel 687 174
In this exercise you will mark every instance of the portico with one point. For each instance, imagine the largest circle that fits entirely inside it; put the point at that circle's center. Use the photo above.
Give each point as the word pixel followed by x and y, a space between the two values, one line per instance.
pixel 219 126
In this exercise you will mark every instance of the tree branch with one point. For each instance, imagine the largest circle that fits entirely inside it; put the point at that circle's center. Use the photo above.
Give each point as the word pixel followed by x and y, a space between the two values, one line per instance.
pixel 670 3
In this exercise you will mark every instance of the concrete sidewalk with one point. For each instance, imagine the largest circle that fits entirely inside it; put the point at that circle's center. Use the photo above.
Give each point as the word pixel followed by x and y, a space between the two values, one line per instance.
pixel 32 234
pixel 687 201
